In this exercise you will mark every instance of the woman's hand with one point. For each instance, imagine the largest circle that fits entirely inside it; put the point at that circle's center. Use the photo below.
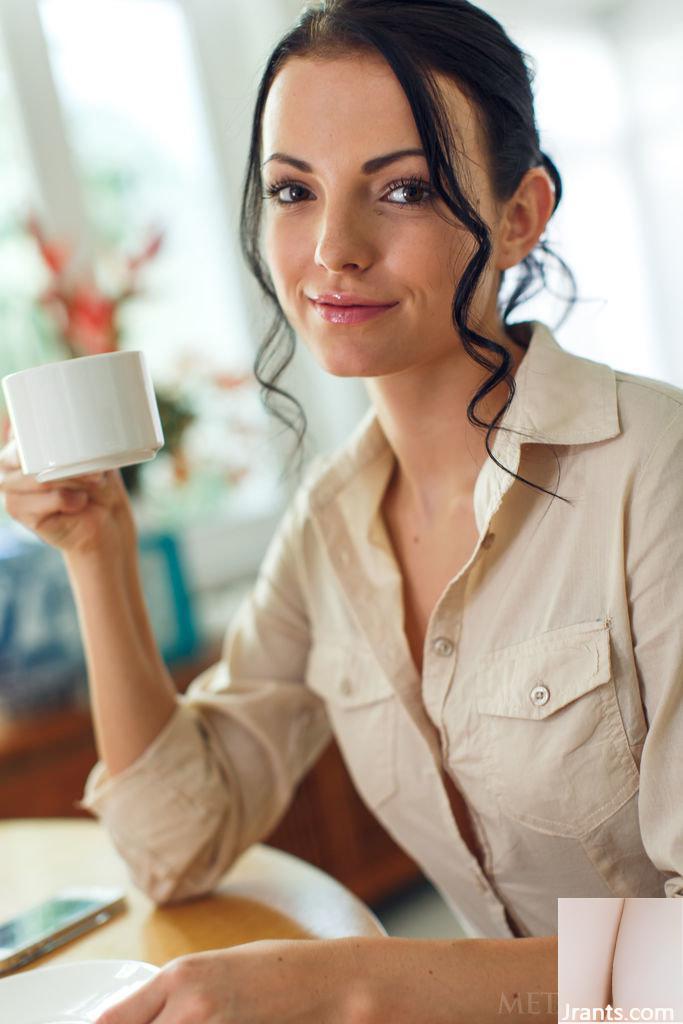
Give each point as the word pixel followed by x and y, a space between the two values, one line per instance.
pixel 77 515
pixel 373 980
pixel 270 982
pixel 369 980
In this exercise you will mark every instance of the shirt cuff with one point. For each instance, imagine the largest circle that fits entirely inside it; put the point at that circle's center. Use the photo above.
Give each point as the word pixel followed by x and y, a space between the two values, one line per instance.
pixel 160 754
pixel 167 813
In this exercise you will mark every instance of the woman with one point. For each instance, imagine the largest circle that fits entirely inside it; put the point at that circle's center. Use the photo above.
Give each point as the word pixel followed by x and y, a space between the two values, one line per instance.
pixel 495 659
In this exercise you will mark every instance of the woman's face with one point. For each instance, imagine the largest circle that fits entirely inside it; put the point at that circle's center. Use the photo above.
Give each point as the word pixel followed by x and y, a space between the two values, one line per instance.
pixel 340 229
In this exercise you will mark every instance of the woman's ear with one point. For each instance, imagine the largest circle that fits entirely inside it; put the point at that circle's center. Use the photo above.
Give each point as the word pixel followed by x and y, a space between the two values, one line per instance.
pixel 525 217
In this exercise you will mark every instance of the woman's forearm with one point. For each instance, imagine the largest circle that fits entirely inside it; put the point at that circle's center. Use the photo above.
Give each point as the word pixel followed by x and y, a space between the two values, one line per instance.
pixel 459 981
pixel 132 692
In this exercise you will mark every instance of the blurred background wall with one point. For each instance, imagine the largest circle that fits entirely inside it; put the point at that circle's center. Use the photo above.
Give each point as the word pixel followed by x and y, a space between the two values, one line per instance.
pixel 122 118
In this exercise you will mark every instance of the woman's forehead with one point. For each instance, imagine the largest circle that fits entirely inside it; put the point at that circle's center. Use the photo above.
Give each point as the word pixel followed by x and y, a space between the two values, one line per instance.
pixel 319 107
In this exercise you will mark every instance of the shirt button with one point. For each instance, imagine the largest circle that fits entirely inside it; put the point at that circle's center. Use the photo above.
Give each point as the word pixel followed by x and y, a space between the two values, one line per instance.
pixel 488 540
pixel 345 687
pixel 540 695
pixel 443 646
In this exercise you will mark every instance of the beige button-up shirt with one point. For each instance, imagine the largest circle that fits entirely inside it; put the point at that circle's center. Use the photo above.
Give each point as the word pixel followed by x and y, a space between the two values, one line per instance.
pixel 552 683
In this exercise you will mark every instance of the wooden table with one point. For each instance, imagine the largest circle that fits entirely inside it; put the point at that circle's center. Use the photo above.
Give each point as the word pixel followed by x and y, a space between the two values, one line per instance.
pixel 267 894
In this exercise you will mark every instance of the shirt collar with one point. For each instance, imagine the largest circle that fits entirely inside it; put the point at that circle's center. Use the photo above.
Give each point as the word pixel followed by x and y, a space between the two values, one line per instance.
pixel 560 398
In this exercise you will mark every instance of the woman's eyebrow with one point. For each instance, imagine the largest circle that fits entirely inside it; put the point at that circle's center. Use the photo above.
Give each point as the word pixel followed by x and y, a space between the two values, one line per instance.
pixel 369 167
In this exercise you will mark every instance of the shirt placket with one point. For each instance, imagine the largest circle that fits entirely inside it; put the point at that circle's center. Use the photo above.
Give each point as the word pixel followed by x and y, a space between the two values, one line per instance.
pixel 440 660
pixel 439 670
pixel 439 663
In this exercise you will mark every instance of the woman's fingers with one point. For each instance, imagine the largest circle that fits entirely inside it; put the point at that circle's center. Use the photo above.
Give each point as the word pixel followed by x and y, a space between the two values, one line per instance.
pixel 143 1007
pixel 12 479
pixel 32 508
pixel 75 482
pixel 9 458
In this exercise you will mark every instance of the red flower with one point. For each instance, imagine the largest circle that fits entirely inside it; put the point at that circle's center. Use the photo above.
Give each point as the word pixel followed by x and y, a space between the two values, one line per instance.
pixel 92 321
pixel 228 381
pixel 87 319
pixel 148 252
pixel 56 256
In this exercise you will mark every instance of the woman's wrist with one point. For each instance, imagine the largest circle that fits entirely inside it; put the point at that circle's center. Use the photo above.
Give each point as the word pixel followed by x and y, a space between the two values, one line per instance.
pixel 473 981
pixel 374 980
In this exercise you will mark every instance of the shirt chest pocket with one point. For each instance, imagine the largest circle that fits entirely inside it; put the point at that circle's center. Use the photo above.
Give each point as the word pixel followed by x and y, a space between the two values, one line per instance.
pixel 553 741
pixel 361 707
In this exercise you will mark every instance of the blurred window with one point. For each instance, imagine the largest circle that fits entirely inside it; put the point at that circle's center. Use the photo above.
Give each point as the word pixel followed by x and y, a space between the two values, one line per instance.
pixel 584 123
pixel 21 273
pixel 126 83
pixel 125 78
pixel 608 89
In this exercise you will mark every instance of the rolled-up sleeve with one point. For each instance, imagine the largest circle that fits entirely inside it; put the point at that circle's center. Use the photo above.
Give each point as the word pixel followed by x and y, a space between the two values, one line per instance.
pixel 224 768
pixel 655 594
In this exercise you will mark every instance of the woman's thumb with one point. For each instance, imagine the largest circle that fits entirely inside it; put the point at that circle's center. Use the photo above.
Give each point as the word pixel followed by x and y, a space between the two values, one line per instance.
pixel 9 455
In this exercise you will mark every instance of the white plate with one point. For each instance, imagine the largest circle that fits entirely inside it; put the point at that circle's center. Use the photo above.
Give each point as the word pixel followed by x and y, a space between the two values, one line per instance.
pixel 75 993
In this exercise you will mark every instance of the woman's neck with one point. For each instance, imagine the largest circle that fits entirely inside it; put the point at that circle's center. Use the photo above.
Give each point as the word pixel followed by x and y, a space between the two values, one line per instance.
pixel 423 413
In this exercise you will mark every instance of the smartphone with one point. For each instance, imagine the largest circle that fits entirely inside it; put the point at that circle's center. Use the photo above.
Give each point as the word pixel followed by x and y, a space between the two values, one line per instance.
pixel 65 915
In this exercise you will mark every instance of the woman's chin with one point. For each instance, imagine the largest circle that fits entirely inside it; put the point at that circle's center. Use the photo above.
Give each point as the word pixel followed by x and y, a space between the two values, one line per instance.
pixel 343 366
pixel 344 358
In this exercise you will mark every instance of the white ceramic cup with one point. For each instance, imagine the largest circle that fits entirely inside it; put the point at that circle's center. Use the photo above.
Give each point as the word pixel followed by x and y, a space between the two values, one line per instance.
pixel 83 415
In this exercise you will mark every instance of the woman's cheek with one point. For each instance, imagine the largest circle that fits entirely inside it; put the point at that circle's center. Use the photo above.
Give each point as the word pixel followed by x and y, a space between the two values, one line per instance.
pixel 273 246
pixel 422 258
pixel 281 255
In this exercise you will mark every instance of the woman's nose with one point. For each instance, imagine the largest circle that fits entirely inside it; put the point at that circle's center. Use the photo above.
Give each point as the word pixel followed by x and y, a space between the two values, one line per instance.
pixel 343 240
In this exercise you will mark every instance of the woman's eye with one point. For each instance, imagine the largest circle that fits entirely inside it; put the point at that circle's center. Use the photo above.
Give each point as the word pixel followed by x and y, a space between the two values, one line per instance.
pixel 411 191
pixel 414 192
pixel 279 189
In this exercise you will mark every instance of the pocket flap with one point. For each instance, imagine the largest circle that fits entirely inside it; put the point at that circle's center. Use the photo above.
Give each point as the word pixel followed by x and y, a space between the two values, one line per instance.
pixel 346 677
pixel 536 678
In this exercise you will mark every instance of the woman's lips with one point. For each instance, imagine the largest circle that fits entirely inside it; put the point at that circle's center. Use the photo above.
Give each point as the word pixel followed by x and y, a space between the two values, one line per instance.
pixel 335 314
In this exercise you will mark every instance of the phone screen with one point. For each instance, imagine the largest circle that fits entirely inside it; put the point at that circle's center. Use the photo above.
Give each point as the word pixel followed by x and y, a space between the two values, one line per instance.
pixel 43 920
